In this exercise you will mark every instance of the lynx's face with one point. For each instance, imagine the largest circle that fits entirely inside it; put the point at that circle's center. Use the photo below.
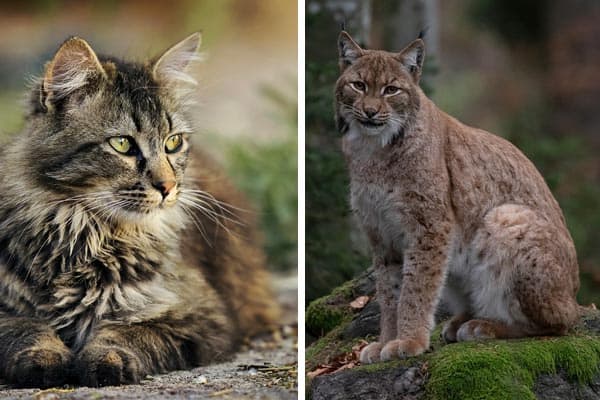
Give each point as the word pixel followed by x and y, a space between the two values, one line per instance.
pixel 376 93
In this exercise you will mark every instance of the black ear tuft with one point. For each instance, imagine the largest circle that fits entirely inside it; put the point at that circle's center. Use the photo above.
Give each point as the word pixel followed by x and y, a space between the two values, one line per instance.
pixel 348 50
pixel 412 58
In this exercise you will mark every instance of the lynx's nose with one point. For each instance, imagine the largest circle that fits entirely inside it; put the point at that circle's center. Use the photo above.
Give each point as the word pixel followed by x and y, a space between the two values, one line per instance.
pixel 164 187
pixel 370 112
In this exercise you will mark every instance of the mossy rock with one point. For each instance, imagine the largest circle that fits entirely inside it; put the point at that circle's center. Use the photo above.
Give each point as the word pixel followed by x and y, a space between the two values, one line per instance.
pixel 497 369
pixel 542 367
pixel 331 311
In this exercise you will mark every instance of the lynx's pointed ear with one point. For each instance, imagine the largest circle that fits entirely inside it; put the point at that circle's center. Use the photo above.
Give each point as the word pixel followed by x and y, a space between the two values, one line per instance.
pixel 412 58
pixel 349 51
pixel 171 69
pixel 71 68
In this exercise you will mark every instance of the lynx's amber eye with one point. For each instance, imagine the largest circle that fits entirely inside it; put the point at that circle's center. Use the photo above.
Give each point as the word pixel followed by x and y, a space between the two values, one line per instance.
pixel 122 144
pixel 358 86
pixel 173 143
pixel 391 90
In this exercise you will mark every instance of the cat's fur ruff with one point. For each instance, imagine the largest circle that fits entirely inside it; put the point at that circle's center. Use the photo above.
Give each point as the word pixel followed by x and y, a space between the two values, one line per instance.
pixel 451 212
pixel 114 266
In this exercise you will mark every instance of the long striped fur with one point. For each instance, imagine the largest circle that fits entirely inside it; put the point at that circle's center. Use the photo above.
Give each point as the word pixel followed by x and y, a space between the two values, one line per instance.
pixel 114 265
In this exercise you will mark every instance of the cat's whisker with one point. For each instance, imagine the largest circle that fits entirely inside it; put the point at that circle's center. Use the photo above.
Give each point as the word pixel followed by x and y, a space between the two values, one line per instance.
pixel 80 199
pixel 208 213
pixel 197 223
pixel 201 203
pixel 103 208
pixel 210 207
pixel 217 209
pixel 194 204
pixel 210 197
pixel 200 180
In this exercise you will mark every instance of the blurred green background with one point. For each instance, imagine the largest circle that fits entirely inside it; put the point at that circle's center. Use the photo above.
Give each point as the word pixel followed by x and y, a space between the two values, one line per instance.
pixel 247 94
pixel 525 70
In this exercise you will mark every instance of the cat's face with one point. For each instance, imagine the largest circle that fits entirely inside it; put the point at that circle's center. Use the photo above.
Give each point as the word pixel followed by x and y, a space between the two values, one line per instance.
pixel 376 91
pixel 114 136
pixel 130 153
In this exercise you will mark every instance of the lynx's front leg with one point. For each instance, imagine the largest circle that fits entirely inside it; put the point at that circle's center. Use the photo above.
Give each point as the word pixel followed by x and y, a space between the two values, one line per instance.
pixel 422 282
pixel 389 281
pixel 423 274
pixel 407 308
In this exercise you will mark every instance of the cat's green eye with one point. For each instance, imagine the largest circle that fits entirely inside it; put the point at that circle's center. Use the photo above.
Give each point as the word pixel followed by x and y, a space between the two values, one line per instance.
pixel 173 143
pixel 121 144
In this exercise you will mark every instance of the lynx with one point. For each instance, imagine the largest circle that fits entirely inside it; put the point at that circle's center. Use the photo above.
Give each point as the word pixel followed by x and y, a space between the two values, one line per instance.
pixel 123 252
pixel 452 213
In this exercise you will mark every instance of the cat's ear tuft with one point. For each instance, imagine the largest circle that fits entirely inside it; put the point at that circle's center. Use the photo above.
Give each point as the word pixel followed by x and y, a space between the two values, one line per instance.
pixel 171 68
pixel 349 50
pixel 412 58
pixel 71 68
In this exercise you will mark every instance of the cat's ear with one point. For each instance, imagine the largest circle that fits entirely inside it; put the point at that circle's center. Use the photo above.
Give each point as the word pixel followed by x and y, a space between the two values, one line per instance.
pixel 412 58
pixel 171 68
pixel 71 68
pixel 349 51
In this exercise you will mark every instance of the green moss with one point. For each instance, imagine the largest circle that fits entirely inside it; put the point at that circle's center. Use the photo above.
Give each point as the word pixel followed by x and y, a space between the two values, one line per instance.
pixel 313 351
pixel 328 312
pixel 497 369
pixel 409 362
pixel 508 369
pixel 328 317
pixel 322 317
pixel 323 350
pixel 436 338
pixel 345 291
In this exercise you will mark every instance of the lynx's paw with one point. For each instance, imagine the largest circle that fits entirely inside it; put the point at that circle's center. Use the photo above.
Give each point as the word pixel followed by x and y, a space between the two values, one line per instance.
pixel 477 329
pixel 402 348
pixel 370 354
pixel 104 365
pixel 40 366
pixel 451 327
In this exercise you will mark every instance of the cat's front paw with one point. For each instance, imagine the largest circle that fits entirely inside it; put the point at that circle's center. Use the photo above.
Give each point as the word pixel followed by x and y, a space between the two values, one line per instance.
pixel 40 367
pixel 402 348
pixel 370 353
pixel 105 365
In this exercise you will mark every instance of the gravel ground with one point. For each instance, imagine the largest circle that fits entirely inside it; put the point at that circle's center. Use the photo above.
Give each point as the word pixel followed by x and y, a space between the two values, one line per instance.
pixel 266 369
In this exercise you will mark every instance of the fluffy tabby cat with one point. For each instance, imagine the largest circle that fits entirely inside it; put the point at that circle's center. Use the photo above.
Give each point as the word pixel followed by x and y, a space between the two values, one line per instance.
pixel 451 212
pixel 122 251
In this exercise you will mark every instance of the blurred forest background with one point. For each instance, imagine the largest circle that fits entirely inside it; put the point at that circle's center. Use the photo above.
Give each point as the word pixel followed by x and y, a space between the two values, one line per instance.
pixel 525 70
pixel 247 114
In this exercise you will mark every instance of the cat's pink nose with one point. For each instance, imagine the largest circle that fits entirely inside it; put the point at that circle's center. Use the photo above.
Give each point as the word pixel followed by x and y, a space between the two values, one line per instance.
pixel 164 187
